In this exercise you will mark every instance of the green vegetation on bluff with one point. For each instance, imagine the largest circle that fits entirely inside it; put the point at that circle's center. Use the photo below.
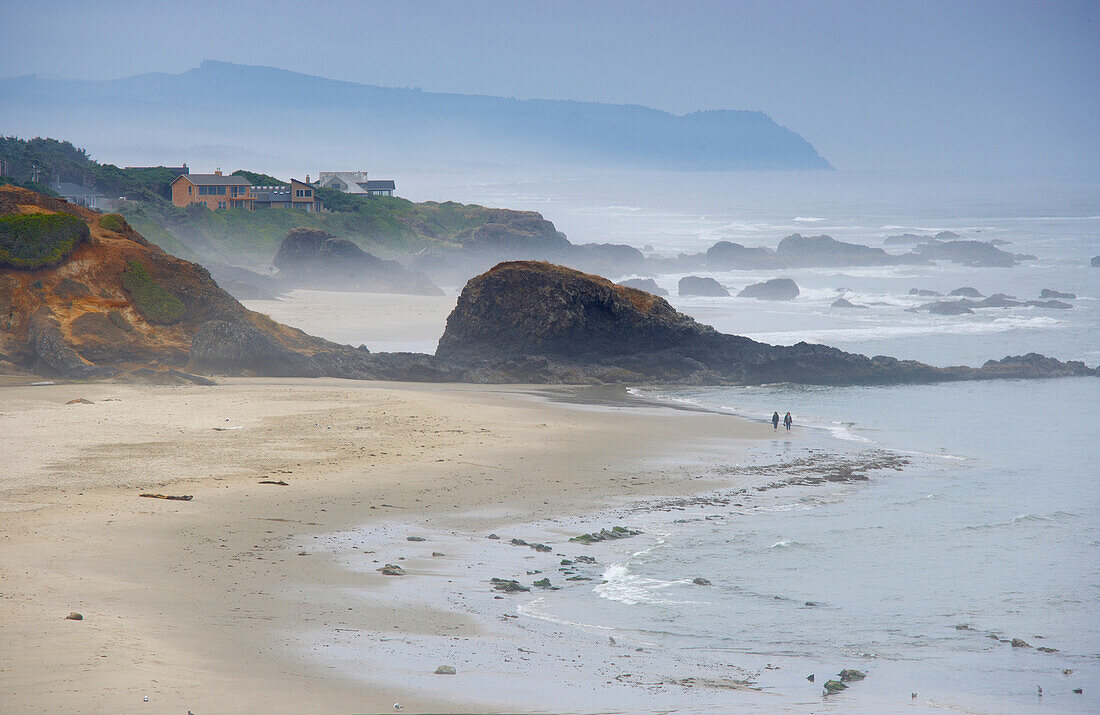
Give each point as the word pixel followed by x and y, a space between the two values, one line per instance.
pixel 257 179
pixel 113 222
pixel 385 226
pixel 56 160
pixel 153 302
pixel 31 241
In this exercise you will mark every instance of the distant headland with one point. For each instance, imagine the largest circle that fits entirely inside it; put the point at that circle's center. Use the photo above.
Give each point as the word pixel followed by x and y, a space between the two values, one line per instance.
pixel 304 117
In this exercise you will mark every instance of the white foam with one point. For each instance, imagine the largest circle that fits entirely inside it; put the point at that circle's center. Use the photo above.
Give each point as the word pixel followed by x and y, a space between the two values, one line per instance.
pixel 843 430
pixel 968 325
pixel 622 586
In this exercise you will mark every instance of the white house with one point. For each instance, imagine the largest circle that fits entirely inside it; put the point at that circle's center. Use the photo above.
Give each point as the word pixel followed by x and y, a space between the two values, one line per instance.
pixel 346 181
pixel 355 182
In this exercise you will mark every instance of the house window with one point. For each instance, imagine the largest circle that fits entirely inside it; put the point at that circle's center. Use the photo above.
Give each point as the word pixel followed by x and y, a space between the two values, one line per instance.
pixel 221 204
pixel 189 190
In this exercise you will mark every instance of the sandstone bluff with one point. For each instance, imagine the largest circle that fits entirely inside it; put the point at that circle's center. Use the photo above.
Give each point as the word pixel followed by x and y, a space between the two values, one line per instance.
pixel 83 295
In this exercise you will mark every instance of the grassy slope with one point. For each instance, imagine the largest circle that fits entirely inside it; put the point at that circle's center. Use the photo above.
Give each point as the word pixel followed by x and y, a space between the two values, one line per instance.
pixel 386 226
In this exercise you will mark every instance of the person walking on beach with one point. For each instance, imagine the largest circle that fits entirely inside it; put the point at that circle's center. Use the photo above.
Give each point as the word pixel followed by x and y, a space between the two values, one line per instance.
pixel 787 420
pixel 775 420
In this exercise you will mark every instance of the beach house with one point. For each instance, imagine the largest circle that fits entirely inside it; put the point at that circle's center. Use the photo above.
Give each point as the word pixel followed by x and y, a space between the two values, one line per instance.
pixel 214 191
pixel 298 195
pixel 82 196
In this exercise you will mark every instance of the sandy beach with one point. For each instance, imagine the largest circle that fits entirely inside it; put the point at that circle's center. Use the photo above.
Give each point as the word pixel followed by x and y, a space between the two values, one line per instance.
pixel 184 602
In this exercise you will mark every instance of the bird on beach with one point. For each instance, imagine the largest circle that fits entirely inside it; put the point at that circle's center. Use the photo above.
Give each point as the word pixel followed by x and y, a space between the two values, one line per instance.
pixel 398 706
pixel 1040 687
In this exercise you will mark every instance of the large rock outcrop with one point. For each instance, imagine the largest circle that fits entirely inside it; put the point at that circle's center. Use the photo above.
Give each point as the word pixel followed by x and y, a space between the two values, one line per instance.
pixel 312 258
pixel 727 256
pixel 526 308
pixel 797 250
pixel 976 254
pixel 524 313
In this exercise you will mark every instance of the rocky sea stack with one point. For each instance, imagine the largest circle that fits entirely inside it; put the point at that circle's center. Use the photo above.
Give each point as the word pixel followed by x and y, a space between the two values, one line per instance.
pixel 312 258
pixel 537 319
pixel 522 308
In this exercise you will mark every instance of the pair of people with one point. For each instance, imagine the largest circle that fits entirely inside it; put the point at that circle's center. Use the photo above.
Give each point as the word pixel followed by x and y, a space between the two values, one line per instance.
pixel 787 421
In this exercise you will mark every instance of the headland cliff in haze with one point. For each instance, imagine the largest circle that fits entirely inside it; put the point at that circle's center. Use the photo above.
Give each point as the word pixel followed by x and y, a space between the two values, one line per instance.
pixel 309 120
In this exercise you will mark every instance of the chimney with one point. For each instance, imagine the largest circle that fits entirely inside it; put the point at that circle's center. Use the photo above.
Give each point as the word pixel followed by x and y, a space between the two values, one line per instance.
pixel 218 171
pixel 307 178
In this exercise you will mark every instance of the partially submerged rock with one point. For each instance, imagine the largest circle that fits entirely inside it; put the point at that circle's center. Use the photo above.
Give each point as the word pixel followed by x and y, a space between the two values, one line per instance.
pixel 1020 643
pixel 834 686
pixel 647 284
pixel 392 570
pixel 700 581
pixel 946 307
pixel 966 292
pixel 845 303
pixel 445 670
pixel 508 585
pixel 774 289
pixel 616 532
pixel 1047 293
pixel 849 675
pixel 701 286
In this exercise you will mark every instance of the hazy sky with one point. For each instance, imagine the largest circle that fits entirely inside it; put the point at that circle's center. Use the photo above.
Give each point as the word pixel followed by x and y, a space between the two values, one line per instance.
pixel 878 84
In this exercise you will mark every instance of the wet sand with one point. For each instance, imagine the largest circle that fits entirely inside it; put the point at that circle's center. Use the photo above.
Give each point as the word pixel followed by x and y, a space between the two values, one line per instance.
pixel 185 601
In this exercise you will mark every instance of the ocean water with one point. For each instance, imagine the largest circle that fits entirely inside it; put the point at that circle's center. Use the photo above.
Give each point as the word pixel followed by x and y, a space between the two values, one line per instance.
pixel 917 576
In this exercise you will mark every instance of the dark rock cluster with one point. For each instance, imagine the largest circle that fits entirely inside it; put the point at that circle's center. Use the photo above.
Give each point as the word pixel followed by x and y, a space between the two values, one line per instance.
pixel 311 258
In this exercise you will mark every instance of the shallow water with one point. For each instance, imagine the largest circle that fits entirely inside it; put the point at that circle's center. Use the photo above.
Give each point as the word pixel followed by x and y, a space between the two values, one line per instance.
pixel 994 524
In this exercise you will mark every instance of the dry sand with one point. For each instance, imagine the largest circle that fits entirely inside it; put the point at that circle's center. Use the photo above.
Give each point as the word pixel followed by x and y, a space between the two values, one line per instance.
pixel 180 599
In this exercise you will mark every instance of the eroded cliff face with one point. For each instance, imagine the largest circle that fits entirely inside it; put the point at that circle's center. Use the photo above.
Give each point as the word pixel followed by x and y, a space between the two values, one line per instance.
pixel 113 305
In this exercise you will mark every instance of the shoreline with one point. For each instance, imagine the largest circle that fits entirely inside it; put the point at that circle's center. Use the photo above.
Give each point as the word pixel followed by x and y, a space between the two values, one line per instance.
pixel 179 599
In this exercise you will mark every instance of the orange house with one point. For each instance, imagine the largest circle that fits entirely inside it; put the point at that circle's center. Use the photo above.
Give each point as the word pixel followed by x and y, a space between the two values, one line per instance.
pixel 213 191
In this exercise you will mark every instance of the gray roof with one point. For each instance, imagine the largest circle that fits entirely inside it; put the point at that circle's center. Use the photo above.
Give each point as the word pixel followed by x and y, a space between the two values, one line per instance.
pixel 376 184
pixel 214 180
pixel 66 188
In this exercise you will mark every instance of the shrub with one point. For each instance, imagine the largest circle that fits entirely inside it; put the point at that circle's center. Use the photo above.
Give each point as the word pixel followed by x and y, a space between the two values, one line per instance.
pixel 31 241
pixel 153 302
pixel 113 222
